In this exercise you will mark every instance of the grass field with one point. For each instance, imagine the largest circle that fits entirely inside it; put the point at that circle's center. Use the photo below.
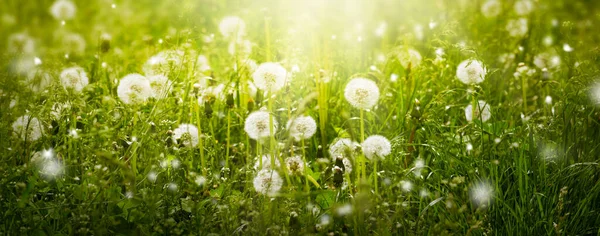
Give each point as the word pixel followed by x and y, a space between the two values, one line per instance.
pixel 315 117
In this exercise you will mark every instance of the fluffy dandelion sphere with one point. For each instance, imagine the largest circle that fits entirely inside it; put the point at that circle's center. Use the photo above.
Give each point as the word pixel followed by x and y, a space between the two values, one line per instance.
pixel 295 165
pixel 361 93
pixel 517 27
pixel 232 27
pixel 347 165
pixel 491 8
pixel 595 93
pixel 28 128
pixel 376 146
pixel 267 182
pixel 482 194
pixel 63 10
pixel 242 48
pixel 163 62
pixel 302 127
pixel 546 60
pixel 74 78
pixel 211 93
pixel 187 134
pixel 471 72
pixel 342 147
pixel 160 84
pixel 202 63
pixel 257 125
pixel 523 7
pixel 20 43
pixel 74 44
pixel 266 163
pixel 482 111
pixel 51 168
pixel 134 89
pixel 410 57
pixel 269 76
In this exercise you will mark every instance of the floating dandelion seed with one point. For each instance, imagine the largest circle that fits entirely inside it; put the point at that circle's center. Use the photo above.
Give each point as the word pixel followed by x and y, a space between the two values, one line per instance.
pixel 471 72
pixel 232 27
pixel 267 182
pixel 294 164
pixel 257 125
pixel 491 8
pixel 74 78
pixel 409 58
pixel 517 27
pixel 187 134
pixel 302 127
pixel 63 10
pixel 28 128
pixel 134 89
pixel 160 84
pixel 482 112
pixel 269 76
pixel 342 147
pixel 376 147
pixel 481 194
pixel 361 93
pixel 266 163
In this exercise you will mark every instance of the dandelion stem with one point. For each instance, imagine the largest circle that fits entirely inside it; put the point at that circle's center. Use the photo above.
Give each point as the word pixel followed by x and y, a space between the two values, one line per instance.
pixel 305 167
pixel 228 138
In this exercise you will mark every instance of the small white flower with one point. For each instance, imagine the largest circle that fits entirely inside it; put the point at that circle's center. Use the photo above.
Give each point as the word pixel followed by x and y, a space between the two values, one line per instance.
pixel 232 27
pixel 161 86
pixel 295 165
pixel 523 7
pixel 270 76
pixel 186 134
pixel 376 147
pixel 342 147
pixel 134 89
pixel 302 127
pixel 74 78
pixel 517 27
pixel 491 8
pixel 267 182
pixel 266 163
pixel 482 111
pixel 361 93
pixel 482 194
pixel 28 128
pixel 63 10
pixel 257 125
pixel 471 72
pixel 409 57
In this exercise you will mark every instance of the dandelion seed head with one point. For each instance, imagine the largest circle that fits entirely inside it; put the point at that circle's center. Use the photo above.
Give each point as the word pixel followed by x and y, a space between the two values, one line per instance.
pixel 152 176
pixel 160 85
pixel 202 63
pixel 172 187
pixel 200 180
pixel 257 125
pixel 491 8
pixel 302 127
pixel 267 182
pixel 295 165
pixel 376 147
pixel 74 78
pixel 51 168
pixel 134 89
pixel 482 194
pixel 594 93
pixel 361 93
pixel 523 7
pixel 471 72
pixel 517 27
pixel 409 58
pixel 74 44
pixel 232 27
pixel 270 76
pixel 546 60
pixel 63 10
pixel 187 134
pixel 344 210
pixel 406 185
pixel 21 43
pixel 469 147
pixel 241 48
pixel 567 47
pixel 28 128
pixel 342 147
pixel 548 100
pixel 163 62
pixel 482 112
pixel 266 163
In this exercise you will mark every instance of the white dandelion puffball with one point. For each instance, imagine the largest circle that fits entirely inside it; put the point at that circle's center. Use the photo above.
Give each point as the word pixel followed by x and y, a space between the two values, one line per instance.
pixel 471 72
pixel 491 8
pixel 483 112
pixel 242 48
pixel 163 62
pixel 21 43
pixel 63 10
pixel 482 194
pixel 232 27
pixel 347 165
pixel 51 168
pixel 39 80
pixel 74 44
pixel 295 165
pixel 342 147
pixel 410 57
pixel 269 76
pixel 546 60
pixel 523 7
pixel 28 128
pixel 517 27
pixel 212 92
pixel 161 86
pixel 187 134
pixel 267 182
pixel 266 163
pixel 257 125
pixel 134 89
pixel 595 93
pixel 74 78
pixel 361 93
pixel 202 63
pixel 302 127
pixel 376 146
